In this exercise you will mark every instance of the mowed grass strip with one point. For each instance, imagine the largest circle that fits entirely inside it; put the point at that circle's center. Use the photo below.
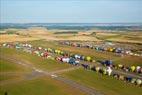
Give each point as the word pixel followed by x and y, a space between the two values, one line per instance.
pixel 6 77
pixel 46 64
pixel 107 85
pixel 41 86
pixel 7 66
pixel 126 60
pixel 11 71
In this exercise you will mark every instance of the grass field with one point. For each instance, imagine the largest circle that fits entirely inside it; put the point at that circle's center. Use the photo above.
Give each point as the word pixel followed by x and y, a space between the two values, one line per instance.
pixel 46 64
pixel 130 37
pixel 48 86
pixel 107 85
pixel 127 60
pixel 7 77
pixel 7 66
pixel 40 86
pixel 11 38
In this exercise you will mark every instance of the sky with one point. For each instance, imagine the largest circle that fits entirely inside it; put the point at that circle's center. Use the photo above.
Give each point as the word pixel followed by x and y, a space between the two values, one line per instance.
pixel 71 11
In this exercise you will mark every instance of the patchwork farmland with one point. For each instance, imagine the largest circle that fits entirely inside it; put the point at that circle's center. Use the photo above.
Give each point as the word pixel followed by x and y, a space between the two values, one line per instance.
pixel 43 62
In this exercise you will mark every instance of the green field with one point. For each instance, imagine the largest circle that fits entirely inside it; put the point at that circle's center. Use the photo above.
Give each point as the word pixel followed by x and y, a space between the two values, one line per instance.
pixel 126 60
pixel 10 67
pixel 47 86
pixel 7 66
pixel 8 77
pixel 46 64
pixel 40 86
pixel 107 85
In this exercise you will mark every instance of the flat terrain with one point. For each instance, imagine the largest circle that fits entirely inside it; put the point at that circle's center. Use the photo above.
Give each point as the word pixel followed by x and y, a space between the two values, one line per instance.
pixel 40 86
pixel 33 80
pixel 16 79
pixel 129 60
pixel 102 83
pixel 125 37
pixel 14 37
pixel 22 73
pixel 56 35
pixel 46 64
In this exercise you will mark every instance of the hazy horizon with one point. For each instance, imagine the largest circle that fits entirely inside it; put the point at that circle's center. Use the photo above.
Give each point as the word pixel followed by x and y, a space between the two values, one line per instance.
pixel 73 11
pixel 70 23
